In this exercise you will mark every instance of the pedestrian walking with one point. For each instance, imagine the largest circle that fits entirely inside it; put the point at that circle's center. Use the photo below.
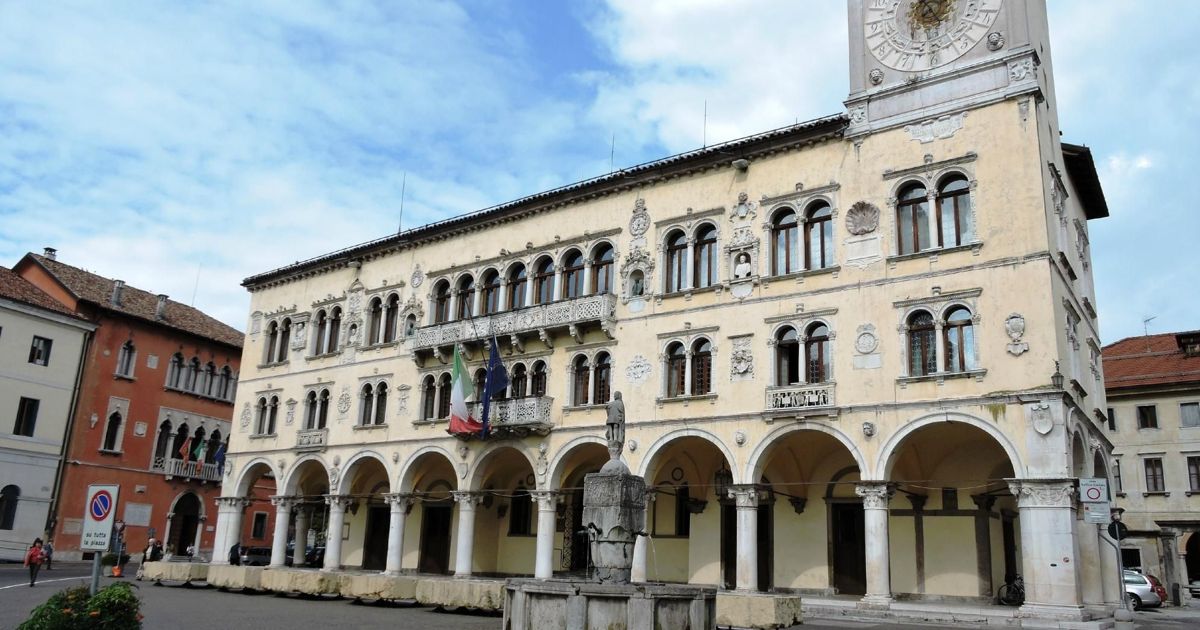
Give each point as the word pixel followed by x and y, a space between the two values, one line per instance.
pixel 48 552
pixel 33 560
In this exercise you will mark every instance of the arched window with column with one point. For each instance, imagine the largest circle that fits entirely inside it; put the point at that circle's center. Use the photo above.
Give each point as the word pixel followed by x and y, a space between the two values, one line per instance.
pixel 676 370
pixel 543 281
pixel 954 211
pixel 227 382
pixel 321 330
pixel 490 298
pixel 704 256
pixel 580 377
pixel 285 337
pixel 272 342
pixel 572 274
pixel 366 403
pixel 260 423
pixel 211 384
pixel 323 409
pixel 519 383
pixel 197 440
pixel 818 236
pixel 214 442
pixel 701 367
pixel 676 262
pixel 125 359
pixel 163 443
pixel 112 432
pixel 443 410
pixel 441 302
pixel 381 392
pixel 602 379
pixel 912 219
pixel 922 344
pixel 537 379
pixel 477 382
pixel 175 371
pixel 10 496
pixel 273 415
pixel 464 294
pixel 374 321
pixel 391 318
pixel 959 340
pixel 181 436
pixel 518 282
pixel 335 329
pixel 785 242
pixel 193 374
pixel 428 397
pixel 310 410
pixel 787 356
pixel 816 353
pixel 602 269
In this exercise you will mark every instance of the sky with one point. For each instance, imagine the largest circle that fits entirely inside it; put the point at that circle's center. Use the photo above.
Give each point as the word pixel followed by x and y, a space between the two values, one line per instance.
pixel 183 146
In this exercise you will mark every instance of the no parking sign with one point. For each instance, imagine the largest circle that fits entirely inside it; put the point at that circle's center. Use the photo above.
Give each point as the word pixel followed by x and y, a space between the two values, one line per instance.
pixel 98 517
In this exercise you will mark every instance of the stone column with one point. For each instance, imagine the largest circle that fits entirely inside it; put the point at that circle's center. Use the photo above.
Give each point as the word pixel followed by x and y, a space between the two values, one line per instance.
pixel 1090 563
pixel 638 570
pixel 229 526
pixel 167 549
pixel 300 554
pixel 689 282
pixel 199 535
pixel 587 277
pixel 1048 555
pixel 333 533
pixel 466 531
pixel 983 543
pixel 687 371
pixel 875 495
pixel 543 566
pixel 1108 570
pixel 939 343
pixel 283 515
pixel 399 503
pixel 746 499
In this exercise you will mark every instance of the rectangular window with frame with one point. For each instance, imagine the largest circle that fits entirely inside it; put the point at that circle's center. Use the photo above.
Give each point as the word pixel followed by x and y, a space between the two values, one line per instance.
pixel 1193 464
pixel 27 410
pixel 1155 482
pixel 39 350
pixel 1112 419
pixel 259 530
pixel 1147 417
pixel 1117 477
pixel 1189 414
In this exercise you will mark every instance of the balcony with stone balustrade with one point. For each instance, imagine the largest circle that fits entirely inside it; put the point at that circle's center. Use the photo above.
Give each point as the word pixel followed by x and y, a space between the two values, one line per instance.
pixel 804 399
pixel 173 468
pixel 516 417
pixel 542 321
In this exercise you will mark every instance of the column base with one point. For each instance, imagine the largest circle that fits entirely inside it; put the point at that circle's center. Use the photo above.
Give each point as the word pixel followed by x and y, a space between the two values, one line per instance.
pixel 876 602
pixel 1050 611
pixel 391 573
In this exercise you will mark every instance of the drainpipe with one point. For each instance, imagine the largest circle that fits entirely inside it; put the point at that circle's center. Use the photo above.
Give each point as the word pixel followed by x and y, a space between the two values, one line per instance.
pixel 52 514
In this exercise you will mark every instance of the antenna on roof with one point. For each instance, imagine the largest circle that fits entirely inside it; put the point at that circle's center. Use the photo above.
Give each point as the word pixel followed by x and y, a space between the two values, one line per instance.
pixel 704 133
pixel 403 188
pixel 612 151
pixel 1146 323
pixel 196 285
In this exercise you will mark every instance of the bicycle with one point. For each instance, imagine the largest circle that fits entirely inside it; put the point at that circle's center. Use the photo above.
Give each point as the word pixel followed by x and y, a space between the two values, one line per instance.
pixel 1012 592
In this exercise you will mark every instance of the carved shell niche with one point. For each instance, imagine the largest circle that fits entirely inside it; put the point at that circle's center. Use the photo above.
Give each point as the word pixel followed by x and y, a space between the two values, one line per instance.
pixel 862 218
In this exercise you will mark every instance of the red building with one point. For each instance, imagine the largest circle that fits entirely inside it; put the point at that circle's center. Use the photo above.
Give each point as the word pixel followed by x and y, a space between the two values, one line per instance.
pixel 154 410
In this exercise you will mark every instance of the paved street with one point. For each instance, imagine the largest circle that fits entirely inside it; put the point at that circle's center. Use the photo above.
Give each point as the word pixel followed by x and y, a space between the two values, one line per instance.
pixel 205 608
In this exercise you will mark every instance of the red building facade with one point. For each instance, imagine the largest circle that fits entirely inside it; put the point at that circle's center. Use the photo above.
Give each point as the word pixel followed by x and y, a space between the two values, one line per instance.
pixel 154 411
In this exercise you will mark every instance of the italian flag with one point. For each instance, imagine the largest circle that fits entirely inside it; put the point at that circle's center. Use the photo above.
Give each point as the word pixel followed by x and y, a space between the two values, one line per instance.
pixel 460 390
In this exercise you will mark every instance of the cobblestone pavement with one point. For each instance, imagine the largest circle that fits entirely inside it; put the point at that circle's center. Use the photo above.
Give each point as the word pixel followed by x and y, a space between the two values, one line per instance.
pixel 208 609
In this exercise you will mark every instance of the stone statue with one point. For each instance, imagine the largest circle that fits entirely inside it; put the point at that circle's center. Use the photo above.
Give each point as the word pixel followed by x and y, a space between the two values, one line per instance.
pixel 615 426
pixel 742 269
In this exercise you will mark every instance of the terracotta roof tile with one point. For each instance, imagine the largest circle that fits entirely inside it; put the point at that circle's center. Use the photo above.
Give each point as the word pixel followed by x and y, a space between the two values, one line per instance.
pixel 18 289
pixel 1149 360
pixel 135 302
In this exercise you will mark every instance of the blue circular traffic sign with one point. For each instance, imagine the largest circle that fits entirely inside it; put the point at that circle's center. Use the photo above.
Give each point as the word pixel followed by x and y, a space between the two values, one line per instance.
pixel 101 505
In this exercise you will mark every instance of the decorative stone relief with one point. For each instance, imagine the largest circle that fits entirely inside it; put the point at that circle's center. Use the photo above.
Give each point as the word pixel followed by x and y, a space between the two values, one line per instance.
pixel 868 429
pixel 637 276
pixel 343 403
pixel 875 76
pixel 995 41
pixel 875 496
pixel 542 466
pixel 1041 418
pixel 1050 493
pixel 862 218
pixel 256 323
pixel 639 223
pixel 299 337
pixel 1020 70
pixel 418 277
pixel 741 252
pixel 632 445
pixel 744 210
pixel 741 359
pixel 402 394
pixel 463 451
pixel 638 370
pixel 245 417
pixel 866 345
pixel 333 477
pixel 939 128
pixel 739 437
pixel 1014 326
pixel 858 115
pixel 291 411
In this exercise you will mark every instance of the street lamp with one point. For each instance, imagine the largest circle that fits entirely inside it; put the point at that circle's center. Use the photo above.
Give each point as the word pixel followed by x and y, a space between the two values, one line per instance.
pixel 1056 379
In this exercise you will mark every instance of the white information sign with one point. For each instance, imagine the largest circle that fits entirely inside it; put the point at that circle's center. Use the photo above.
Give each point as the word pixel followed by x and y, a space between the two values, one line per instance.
pixel 138 514
pixel 1094 490
pixel 1099 513
pixel 98 515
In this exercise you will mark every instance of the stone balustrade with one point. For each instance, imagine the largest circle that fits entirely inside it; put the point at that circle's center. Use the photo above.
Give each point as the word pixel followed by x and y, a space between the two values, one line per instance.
pixel 799 397
pixel 533 320
pixel 518 417
pixel 171 467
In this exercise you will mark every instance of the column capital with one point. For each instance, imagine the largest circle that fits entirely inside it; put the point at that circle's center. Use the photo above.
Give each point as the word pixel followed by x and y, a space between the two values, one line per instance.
pixel 466 499
pixel 545 499
pixel 875 494
pixel 745 496
pixel 285 502
pixel 339 501
pixel 402 500
pixel 984 502
pixel 233 502
pixel 1043 493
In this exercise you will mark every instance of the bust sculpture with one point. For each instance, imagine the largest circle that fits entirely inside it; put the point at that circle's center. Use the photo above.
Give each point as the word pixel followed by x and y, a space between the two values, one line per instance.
pixel 742 269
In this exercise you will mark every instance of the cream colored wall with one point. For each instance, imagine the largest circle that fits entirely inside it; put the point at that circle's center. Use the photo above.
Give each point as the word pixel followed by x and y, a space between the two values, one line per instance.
pixel 801 554
pixel 903 552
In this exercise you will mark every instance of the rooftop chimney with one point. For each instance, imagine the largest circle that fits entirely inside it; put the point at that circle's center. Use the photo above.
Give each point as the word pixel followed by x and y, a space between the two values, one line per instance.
pixel 161 311
pixel 50 253
pixel 118 286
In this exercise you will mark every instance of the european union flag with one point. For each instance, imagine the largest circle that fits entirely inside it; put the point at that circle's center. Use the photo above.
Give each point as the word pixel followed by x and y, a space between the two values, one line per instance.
pixel 495 383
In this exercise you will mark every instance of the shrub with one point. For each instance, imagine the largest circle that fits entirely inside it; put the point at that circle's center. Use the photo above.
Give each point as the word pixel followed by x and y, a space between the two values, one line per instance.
pixel 109 559
pixel 114 607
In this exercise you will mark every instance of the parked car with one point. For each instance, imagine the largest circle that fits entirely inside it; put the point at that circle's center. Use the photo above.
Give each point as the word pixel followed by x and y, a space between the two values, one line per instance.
pixel 1141 591
pixel 1194 588
pixel 315 556
pixel 256 556
pixel 1159 589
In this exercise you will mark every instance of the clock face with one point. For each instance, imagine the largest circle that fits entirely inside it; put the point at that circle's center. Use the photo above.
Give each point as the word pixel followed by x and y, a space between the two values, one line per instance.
pixel 916 35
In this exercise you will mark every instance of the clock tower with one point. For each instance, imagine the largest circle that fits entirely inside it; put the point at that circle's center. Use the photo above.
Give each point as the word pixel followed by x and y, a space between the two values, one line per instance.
pixel 915 61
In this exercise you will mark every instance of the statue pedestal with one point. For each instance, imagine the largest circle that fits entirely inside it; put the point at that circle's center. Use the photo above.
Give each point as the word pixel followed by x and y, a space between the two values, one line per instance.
pixel 614 511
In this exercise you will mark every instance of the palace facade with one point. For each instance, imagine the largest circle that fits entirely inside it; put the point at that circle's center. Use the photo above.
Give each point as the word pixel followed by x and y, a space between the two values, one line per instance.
pixel 859 355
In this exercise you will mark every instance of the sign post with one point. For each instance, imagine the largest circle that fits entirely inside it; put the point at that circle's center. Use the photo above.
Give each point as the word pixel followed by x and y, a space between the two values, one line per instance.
pixel 1093 493
pixel 98 516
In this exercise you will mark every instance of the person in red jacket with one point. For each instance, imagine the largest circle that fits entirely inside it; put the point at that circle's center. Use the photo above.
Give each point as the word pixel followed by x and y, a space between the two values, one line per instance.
pixel 33 559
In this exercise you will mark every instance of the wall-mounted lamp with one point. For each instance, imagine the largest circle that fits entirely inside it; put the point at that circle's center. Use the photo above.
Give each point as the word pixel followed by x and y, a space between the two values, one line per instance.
pixel 741 164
